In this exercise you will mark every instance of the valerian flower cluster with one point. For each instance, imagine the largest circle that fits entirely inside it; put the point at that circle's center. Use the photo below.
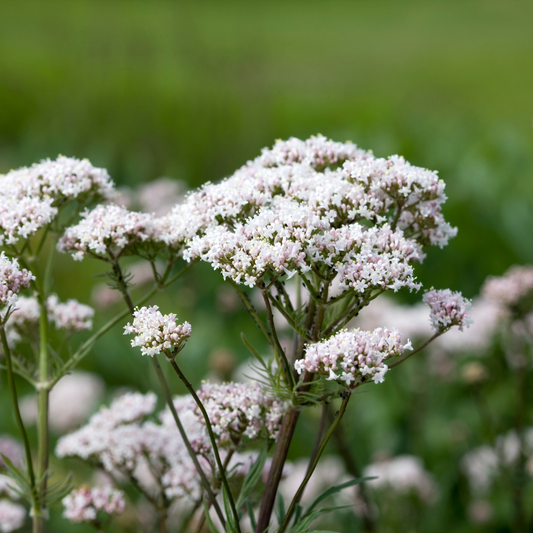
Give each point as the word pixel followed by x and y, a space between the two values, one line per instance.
pixel 345 224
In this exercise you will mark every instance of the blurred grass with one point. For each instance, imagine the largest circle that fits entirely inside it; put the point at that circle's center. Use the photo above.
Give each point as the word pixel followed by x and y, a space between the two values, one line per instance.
pixel 194 89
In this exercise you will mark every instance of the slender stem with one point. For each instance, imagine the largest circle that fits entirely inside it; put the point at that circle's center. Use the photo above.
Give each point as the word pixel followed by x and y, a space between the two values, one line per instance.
pixel 289 376
pixel 14 397
pixel 299 492
pixel 416 350
pixel 520 476
pixel 251 309
pixel 316 445
pixel 221 468
pixel 43 392
pixel 168 396
pixel 279 457
pixel 201 521
pixel 186 441
pixel 352 468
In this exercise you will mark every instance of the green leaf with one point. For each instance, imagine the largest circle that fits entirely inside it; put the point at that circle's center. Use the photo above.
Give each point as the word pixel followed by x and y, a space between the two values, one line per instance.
pixel 251 514
pixel 334 490
pixel 280 508
pixel 208 520
pixel 252 478
pixel 58 490
pixel 310 517
pixel 23 484
pixel 253 351
pixel 231 527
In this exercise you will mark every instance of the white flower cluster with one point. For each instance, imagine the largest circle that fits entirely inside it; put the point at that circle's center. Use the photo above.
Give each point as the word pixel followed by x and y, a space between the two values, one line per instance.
pixel 112 434
pixel 155 332
pixel 84 504
pixel 314 203
pixel 72 399
pixel 7 484
pixel 509 290
pixel 238 410
pixel 12 280
pixel 350 355
pixel 12 516
pixel 483 464
pixel 403 474
pixel 12 449
pixel 70 316
pixel 30 197
pixel 121 440
pixel 447 309
pixel 107 231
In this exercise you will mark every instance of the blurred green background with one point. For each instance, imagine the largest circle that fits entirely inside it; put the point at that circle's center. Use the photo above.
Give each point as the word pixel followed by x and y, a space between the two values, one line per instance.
pixel 192 90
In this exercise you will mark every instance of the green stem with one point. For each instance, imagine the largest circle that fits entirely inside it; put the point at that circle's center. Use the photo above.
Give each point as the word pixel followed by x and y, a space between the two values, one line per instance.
pixel 282 358
pixel 170 403
pixel 43 391
pixel 221 468
pixel 311 469
pixel 20 423
pixel 416 350
pixel 168 397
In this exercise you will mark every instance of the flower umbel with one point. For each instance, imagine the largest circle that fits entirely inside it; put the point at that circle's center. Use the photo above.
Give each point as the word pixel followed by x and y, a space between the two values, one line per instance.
pixel 447 309
pixel 349 356
pixel 83 504
pixel 12 280
pixel 156 333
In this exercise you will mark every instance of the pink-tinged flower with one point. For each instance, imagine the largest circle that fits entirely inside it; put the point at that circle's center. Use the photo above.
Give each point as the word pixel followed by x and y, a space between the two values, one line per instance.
pixel 447 309
pixel 12 449
pixel 238 410
pixel 314 204
pixel 84 504
pixel 30 197
pixel 70 315
pixel 349 356
pixel 107 231
pixel 20 218
pixel 12 516
pixel 72 399
pixel 160 196
pixel 64 178
pixel 123 440
pixel 513 290
pixel 7 484
pixel 156 333
pixel 12 280
pixel 403 474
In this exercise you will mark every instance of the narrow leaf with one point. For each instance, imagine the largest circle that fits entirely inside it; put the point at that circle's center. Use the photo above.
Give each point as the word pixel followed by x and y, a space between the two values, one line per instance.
pixel 208 520
pixel 252 478
pixel 335 489
pixel 280 508
pixel 253 351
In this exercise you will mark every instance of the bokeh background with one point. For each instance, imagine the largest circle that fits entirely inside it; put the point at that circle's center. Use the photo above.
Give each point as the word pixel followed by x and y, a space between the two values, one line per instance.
pixel 192 90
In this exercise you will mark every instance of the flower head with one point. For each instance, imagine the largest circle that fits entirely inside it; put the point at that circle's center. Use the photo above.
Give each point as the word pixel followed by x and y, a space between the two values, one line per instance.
pixel 30 197
pixel 12 516
pixel 513 291
pixel 447 309
pixel 349 356
pixel 84 504
pixel 107 231
pixel 238 410
pixel 12 280
pixel 403 474
pixel 314 204
pixel 156 333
